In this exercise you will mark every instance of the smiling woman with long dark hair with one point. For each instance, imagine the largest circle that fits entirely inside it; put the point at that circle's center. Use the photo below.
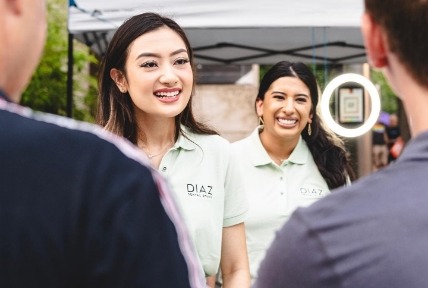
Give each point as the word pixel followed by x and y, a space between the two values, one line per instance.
pixel 291 159
pixel 146 84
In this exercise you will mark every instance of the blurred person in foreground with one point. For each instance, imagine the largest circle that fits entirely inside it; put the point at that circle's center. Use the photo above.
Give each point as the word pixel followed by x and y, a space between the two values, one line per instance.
pixel 393 134
pixel 373 233
pixel 379 146
pixel 79 207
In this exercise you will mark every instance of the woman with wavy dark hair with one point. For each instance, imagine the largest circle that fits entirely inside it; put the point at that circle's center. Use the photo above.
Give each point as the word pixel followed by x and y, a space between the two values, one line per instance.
pixel 291 159
pixel 146 84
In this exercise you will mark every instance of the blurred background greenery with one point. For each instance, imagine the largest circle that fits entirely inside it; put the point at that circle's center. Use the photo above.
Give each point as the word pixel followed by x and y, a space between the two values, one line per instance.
pixel 47 90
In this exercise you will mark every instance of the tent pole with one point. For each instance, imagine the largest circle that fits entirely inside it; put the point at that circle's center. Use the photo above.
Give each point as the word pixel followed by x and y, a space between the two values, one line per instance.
pixel 70 77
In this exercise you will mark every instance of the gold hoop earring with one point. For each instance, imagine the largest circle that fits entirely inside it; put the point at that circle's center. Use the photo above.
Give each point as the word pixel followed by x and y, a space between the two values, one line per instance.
pixel 309 129
pixel 261 122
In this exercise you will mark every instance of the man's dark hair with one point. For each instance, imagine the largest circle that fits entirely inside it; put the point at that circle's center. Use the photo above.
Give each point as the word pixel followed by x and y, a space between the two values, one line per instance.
pixel 404 22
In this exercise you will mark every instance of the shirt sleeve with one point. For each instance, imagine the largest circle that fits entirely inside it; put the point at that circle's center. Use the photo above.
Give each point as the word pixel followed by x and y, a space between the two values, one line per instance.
pixel 235 201
pixel 133 239
pixel 296 258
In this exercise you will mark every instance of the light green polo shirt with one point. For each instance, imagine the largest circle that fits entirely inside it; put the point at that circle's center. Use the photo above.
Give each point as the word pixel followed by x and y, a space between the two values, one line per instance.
pixel 274 191
pixel 209 190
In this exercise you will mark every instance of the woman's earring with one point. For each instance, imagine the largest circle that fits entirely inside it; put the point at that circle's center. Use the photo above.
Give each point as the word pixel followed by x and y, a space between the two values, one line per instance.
pixel 261 122
pixel 309 129
pixel 119 86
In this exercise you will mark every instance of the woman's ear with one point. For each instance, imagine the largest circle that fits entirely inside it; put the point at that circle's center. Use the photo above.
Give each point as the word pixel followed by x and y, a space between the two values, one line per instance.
pixel 375 42
pixel 119 79
pixel 259 107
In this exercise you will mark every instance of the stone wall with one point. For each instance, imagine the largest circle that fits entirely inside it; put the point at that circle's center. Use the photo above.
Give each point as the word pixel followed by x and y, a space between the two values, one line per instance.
pixel 227 108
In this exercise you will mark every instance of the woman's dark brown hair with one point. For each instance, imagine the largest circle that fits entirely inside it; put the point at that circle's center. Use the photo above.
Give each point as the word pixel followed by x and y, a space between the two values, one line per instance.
pixel 115 110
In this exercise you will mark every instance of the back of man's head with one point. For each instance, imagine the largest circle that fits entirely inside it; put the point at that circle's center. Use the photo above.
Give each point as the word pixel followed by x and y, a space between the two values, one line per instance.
pixel 405 23
pixel 22 36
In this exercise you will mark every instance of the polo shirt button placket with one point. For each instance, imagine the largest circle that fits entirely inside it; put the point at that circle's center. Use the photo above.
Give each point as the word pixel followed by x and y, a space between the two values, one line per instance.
pixel 282 179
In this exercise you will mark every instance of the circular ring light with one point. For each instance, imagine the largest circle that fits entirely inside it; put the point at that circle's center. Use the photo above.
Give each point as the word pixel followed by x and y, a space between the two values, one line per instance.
pixel 325 105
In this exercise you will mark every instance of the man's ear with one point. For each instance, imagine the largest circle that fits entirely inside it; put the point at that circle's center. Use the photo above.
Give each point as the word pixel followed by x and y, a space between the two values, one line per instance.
pixel 375 41
pixel 119 79
pixel 15 6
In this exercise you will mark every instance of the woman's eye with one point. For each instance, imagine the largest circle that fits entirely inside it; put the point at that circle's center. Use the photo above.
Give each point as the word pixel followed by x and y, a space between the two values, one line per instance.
pixel 302 99
pixel 149 64
pixel 182 61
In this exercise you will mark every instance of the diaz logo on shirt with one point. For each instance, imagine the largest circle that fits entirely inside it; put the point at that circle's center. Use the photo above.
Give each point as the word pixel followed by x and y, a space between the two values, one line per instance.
pixel 200 190
pixel 312 192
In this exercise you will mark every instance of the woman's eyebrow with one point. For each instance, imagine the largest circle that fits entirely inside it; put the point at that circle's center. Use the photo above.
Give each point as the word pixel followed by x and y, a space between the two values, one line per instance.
pixel 156 55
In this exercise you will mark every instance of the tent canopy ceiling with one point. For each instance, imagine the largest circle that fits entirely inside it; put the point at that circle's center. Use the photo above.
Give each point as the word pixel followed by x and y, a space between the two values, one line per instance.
pixel 238 31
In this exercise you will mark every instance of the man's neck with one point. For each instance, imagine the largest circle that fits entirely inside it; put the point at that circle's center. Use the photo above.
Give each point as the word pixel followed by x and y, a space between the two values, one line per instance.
pixel 413 95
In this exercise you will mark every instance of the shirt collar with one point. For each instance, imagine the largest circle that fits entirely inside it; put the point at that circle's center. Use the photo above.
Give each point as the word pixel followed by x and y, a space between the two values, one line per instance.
pixel 415 148
pixel 4 96
pixel 259 156
pixel 186 140
pixel 300 153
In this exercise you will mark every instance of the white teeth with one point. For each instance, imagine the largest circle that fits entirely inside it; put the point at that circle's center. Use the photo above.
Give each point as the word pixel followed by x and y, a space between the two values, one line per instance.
pixel 167 94
pixel 287 121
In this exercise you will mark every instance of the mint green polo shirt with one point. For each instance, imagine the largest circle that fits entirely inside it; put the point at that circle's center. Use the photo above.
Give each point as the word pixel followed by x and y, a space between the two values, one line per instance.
pixel 209 190
pixel 274 191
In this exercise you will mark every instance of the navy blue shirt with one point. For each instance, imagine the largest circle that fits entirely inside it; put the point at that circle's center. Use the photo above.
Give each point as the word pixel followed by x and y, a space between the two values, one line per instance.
pixel 76 211
pixel 3 96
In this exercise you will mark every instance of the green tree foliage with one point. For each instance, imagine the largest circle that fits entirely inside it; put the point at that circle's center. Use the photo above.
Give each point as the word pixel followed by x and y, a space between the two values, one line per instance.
pixel 388 99
pixel 47 90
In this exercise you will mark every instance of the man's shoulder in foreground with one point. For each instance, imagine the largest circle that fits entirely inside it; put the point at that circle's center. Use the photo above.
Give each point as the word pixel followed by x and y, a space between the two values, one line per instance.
pixel 368 235
pixel 81 206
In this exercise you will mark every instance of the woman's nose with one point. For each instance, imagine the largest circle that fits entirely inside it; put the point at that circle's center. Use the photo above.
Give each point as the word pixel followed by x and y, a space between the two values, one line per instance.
pixel 288 106
pixel 168 75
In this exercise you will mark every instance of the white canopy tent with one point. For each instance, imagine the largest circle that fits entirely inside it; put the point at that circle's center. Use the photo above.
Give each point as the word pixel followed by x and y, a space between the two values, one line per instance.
pixel 234 31
pixel 238 31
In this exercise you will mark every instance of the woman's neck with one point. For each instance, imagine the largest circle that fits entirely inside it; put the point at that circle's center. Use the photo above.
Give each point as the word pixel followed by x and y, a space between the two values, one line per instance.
pixel 155 138
pixel 278 149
